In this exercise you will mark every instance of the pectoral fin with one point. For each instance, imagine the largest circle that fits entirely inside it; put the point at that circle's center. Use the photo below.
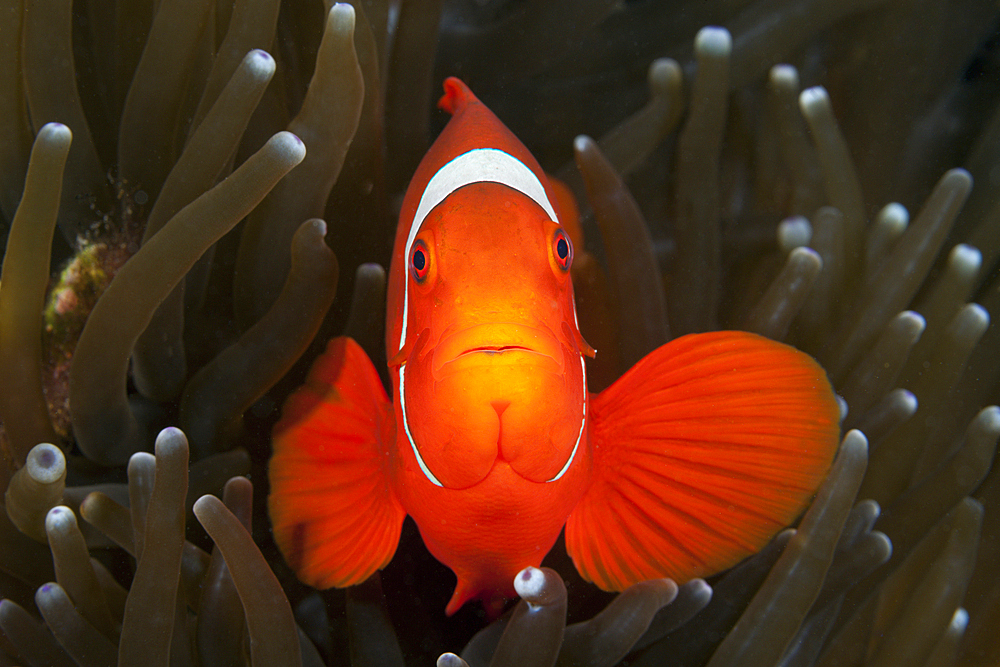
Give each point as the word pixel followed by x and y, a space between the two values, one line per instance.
pixel 702 451
pixel 334 517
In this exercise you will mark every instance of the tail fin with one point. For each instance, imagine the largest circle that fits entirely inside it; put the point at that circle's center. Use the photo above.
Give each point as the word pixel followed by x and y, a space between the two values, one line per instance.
pixel 335 519
pixel 702 451
pixel 493 601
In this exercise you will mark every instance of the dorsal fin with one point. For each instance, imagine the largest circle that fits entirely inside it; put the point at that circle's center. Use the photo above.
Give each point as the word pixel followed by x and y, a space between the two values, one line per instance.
pixel 456 96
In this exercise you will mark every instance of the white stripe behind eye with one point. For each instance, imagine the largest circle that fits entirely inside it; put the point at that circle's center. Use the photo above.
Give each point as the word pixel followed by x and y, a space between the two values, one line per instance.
pixel 406 427
pixel 479 165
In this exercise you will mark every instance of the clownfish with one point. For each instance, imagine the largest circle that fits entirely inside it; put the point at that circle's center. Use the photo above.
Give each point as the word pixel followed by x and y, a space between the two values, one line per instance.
pixel 687 464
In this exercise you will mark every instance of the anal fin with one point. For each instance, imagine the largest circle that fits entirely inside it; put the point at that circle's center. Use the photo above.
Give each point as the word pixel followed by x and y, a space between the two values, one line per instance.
pixel 702 451
pixel 334 517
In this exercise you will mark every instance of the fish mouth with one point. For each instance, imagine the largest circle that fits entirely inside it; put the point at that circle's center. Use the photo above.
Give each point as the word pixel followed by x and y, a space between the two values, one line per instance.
pixel 495 349
pixel 502 341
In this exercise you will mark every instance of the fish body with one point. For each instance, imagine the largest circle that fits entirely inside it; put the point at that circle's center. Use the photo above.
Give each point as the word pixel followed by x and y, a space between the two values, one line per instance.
pixel 491 440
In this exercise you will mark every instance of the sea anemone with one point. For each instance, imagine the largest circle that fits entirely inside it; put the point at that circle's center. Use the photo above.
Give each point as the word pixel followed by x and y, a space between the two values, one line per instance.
pixel 200 159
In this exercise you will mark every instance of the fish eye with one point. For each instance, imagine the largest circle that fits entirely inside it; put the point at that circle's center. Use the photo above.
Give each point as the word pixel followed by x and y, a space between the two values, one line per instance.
pixel 420 261
pixel 562 249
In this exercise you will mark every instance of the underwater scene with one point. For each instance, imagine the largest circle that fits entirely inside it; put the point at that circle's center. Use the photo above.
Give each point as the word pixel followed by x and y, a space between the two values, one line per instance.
pixel 499 332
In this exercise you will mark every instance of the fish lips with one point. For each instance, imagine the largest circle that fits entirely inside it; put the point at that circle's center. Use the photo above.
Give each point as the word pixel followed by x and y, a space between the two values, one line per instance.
pixel 497 342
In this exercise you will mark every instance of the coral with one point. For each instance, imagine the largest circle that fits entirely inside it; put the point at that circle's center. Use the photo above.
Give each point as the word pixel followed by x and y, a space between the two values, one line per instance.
pixel 739 177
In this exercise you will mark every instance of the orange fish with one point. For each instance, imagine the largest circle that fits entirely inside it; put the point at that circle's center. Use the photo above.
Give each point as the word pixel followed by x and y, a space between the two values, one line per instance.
pixel 690 462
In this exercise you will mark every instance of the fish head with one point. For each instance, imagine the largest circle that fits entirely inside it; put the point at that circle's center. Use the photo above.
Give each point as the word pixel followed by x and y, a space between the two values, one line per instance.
pixel 482 336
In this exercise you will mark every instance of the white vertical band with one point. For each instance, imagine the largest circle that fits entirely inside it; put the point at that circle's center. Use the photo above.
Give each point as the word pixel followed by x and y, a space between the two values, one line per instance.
pixel 480 165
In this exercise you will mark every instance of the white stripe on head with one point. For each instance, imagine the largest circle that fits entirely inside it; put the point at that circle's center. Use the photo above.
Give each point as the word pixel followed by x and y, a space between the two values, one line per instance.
pixel 406 427
pixel 583 421
pixel 480 165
